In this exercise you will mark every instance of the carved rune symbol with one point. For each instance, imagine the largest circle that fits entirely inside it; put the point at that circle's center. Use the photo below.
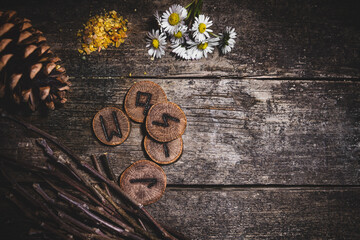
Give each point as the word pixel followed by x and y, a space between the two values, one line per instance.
pixel 113 133
pixel 166 150
pixel 165 118
pixel 151 181
pixel 145 104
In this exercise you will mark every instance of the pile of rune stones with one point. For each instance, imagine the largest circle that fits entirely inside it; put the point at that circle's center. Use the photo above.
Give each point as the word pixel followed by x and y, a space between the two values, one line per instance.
pixel 165 123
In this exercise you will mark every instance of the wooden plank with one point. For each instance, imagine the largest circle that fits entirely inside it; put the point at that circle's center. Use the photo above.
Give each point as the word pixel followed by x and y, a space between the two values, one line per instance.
pixel 262 213
pixel 307 39
pixel 239 131
pixel 13 223
pixel 247 213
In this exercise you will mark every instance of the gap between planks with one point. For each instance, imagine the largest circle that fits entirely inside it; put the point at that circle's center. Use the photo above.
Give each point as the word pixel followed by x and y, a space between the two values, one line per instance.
pixel 246 187
pixel 256 78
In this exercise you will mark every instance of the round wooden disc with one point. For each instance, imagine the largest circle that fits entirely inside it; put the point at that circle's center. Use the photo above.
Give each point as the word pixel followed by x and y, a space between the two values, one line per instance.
pixel 144 181
pixel 165 122
pixel 140 97
pixel 111 126
pixel 163 153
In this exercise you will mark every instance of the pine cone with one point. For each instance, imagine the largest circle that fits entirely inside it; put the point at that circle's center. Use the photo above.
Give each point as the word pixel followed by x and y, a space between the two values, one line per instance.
pixel 30 73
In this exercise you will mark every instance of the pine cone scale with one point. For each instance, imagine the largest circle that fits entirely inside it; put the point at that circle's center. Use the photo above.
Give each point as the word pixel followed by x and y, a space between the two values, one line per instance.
pixel 25 25
pixel 25 95
pixel 29 50
pixel 5 28
pixel 14 79
pixel 34 69
pixel 4 59
pixel 4 43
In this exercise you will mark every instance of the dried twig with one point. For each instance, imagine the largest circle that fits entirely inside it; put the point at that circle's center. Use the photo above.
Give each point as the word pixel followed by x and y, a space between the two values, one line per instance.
pixel 49 152
pixel 99 169
pixel 105 161
pixel 102 209
pixel 127 217
pixel 85 209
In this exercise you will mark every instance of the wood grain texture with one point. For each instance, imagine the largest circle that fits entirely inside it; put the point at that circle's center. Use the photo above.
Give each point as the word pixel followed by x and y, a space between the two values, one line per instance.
pixel 272 146
pixel 310 39
pixel 241 213
pixel 262 213
pixel 239 131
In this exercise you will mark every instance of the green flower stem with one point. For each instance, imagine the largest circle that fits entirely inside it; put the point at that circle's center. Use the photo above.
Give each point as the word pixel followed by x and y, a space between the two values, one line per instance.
pixel 189 4
pixel 194 9
pixel 214 35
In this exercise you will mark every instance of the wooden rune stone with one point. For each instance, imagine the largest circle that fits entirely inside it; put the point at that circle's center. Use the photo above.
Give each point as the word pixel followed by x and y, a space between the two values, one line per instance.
pixel 111 126
pixel 140 97
pixel 163 153
pixel 165 122
pixel 145 104
pixel 144 181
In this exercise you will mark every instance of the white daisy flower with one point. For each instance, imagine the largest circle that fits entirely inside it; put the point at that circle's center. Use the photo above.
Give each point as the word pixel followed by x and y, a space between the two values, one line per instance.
pixel 201 28
pixel 181 51
pixel 179 36
pixel 200 49
pixel 156 42
pixel 227 40
pixel 173 18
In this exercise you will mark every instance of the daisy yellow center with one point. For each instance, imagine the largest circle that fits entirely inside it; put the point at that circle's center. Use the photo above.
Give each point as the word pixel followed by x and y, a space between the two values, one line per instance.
pixel 202 27
pixel 178 34
pixel 155 43
pixel 174 19
pixel 202 46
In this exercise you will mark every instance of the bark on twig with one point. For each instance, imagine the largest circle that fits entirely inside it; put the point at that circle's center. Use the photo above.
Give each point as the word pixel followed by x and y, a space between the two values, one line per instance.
pixel 105 160
pixel 98 168
pixel 98 206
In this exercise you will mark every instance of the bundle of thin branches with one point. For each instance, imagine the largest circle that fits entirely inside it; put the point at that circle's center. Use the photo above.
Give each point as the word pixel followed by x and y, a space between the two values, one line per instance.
pixel 67 204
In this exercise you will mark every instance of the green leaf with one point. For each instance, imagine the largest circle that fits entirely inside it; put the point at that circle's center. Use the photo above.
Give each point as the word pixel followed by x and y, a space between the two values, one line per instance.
pixel 189 14
pixel 190 4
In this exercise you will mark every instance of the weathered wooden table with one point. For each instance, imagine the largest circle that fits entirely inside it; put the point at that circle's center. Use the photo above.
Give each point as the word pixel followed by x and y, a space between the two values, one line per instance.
pixel 272 147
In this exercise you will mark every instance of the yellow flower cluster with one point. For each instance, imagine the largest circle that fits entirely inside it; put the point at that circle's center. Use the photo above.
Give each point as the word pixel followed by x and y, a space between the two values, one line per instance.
pixel 102 31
